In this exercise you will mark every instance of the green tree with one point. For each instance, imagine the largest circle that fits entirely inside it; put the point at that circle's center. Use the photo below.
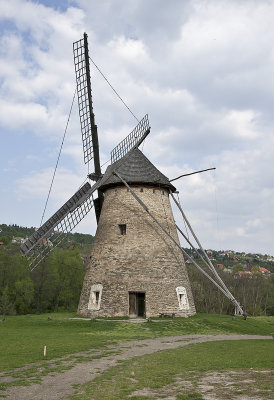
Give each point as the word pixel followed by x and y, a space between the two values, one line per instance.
pixel 6 305
pixel 238 267
pixel 24 296
pixel 256 270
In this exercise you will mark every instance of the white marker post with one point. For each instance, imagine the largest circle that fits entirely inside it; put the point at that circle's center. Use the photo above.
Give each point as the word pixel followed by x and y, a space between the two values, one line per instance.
pixel 45 351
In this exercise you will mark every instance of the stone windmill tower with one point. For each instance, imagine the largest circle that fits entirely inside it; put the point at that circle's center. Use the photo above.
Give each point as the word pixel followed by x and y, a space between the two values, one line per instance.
pixel 136 266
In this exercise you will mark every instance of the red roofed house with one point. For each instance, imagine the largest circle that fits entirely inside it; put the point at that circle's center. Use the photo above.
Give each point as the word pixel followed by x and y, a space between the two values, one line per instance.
pixel 46 242
pixel 264 271
pixel 244 273
pixel 18 239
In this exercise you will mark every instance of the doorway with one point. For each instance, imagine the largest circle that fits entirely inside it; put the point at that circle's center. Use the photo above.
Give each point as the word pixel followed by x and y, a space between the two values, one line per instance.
pixel 137 304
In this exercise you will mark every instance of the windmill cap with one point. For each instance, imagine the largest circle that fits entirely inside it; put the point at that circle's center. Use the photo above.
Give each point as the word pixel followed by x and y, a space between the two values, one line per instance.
pixel 135 168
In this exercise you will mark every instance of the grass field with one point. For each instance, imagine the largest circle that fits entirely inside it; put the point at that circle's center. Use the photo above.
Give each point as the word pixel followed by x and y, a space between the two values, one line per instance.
pixel 22 338
pixel 179 372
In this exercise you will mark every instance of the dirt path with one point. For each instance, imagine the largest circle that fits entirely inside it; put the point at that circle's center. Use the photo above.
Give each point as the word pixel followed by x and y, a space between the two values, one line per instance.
pixel 60 385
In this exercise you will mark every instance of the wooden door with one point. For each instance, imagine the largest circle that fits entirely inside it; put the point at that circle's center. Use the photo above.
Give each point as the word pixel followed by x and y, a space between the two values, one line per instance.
pixel 137 305
pixel 132 304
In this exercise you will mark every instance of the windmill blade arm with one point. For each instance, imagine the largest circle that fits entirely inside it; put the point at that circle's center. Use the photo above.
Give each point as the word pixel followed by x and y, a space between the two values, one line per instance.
pixel 134 139
pixel 86 114
pixel 68 216
pixel 38 254
pixel 41 250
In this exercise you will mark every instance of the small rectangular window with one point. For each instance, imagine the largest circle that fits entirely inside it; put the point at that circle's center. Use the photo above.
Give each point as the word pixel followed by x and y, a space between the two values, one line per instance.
pixel 95 297
pixel 182 298
pixel 123 229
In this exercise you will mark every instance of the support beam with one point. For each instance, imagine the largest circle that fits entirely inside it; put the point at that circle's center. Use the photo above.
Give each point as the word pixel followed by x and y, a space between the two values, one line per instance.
pixel 209 263
pixel 191 245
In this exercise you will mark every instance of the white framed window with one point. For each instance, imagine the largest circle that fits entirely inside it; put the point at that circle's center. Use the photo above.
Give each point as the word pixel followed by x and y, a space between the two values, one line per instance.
pixel 182 298
pixel 95 297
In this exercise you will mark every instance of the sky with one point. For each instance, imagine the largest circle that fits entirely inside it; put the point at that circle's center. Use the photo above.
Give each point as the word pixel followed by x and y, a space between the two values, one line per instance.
pixel 201 69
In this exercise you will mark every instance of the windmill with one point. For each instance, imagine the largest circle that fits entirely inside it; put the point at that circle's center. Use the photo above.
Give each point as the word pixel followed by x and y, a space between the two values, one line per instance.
pixel 136 266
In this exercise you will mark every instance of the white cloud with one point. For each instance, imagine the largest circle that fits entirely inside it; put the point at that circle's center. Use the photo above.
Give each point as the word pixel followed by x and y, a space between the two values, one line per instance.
pixel 21 115
pixel 37 81
pixel 34 188
pixel 129 50
pixel 201 69
pixel 36 185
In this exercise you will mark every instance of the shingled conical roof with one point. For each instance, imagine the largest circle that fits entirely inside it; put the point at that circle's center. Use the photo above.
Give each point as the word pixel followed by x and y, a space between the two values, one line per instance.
pixel 135 169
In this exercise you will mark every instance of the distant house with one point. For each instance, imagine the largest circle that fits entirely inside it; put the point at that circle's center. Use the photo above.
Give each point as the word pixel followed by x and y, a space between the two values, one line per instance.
pixel 255 268
pixel 71 247
pixel 46 242
pixel 264 271
pixel 209 251
pixel 1 243
pixel 243 273
pixel 18 239
pixel 220 266
pixel 228 252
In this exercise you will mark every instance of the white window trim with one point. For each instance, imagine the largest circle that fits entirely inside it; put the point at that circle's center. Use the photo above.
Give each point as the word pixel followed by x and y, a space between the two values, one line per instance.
pixel 181 290
pixel 92 305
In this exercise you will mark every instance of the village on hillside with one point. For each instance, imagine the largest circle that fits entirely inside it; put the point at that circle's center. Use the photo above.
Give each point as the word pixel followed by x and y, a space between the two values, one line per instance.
pixel 242 263
pixel 15 234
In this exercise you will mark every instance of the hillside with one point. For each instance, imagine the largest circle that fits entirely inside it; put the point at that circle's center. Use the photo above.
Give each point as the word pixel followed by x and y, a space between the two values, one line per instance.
pixel 249 277
pixel 56 283
pixel 232 261
pixel 8 232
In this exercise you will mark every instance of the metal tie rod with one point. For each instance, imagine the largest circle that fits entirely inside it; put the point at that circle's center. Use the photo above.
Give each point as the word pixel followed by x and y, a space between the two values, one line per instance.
pixel 192 173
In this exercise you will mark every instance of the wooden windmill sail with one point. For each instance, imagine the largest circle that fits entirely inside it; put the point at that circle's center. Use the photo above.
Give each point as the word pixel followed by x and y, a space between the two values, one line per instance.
pixel 136 265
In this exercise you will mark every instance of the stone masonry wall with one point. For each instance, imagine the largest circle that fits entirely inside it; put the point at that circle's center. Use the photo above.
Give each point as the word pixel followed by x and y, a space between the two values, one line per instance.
pixel 143 260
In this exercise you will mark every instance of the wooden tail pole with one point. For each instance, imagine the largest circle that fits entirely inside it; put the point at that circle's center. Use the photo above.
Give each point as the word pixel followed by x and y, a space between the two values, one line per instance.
pixel 192 246
pixel 173 240
pixel 209 263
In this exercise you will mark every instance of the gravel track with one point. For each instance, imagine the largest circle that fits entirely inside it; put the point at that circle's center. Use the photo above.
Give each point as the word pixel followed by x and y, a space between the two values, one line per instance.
pixel 58 385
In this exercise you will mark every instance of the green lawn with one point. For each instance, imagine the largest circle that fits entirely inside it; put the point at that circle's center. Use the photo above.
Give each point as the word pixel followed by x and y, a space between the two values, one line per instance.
pixel 167 371
pixel 22 338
